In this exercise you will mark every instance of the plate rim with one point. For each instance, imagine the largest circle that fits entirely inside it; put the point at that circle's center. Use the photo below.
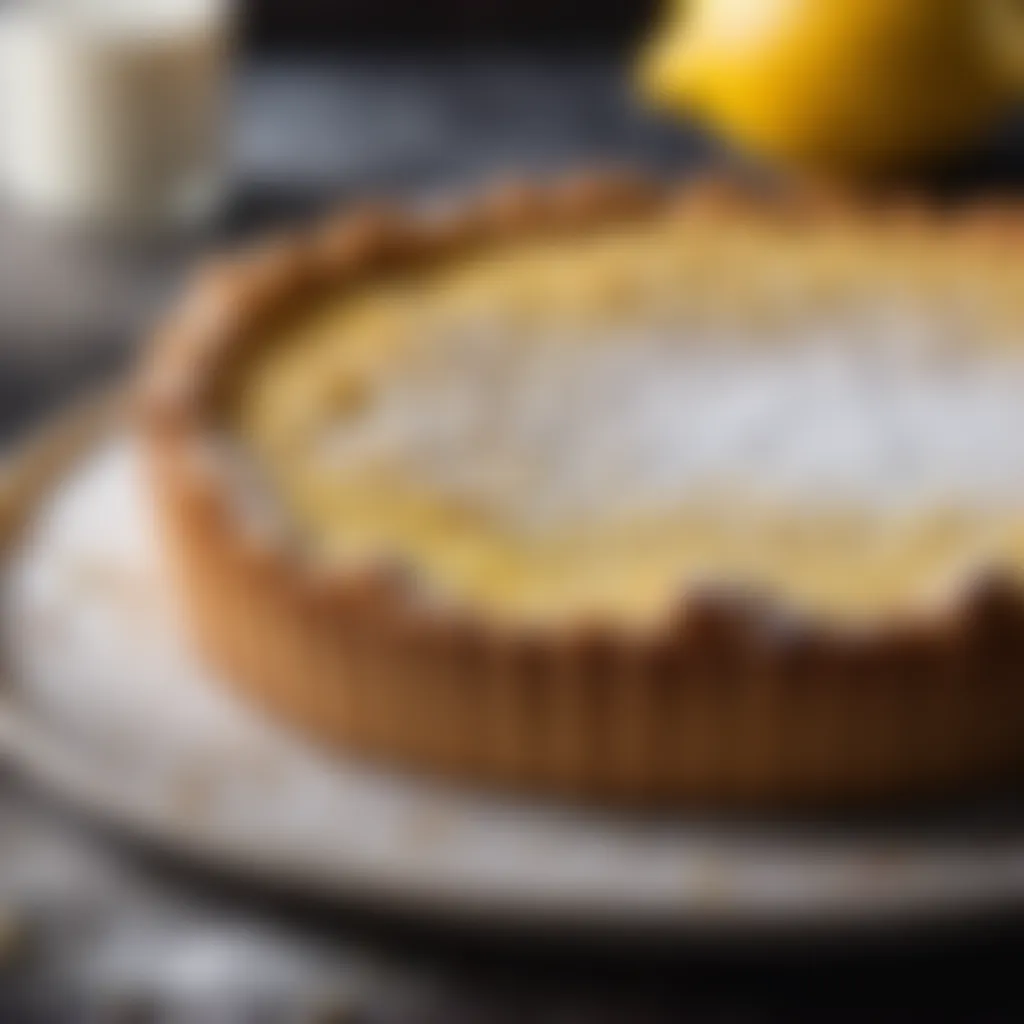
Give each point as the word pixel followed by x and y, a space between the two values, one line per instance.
pixel 35 463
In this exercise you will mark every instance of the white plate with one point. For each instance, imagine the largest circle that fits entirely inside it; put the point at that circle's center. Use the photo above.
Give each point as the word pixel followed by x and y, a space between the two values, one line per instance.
pixel 104 699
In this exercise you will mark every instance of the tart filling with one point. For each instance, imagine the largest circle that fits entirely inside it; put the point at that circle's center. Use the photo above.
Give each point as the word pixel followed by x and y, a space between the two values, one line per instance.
pixel 571 429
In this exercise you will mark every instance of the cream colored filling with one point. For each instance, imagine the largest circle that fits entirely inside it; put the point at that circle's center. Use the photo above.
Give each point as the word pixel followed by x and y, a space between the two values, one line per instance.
pixel 588 429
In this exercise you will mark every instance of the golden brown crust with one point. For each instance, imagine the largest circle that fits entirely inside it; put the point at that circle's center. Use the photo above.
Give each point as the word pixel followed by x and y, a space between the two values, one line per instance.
pixel 731 702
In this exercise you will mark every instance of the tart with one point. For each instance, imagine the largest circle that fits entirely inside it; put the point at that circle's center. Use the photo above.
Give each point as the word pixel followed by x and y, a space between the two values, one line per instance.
pixel 603 489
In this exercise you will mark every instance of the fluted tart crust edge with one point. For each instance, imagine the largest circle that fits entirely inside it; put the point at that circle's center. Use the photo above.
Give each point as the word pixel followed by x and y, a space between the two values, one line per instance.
pixel 730 703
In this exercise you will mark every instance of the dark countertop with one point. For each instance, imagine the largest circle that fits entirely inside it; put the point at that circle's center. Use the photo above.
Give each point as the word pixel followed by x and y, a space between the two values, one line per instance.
pixel 92 928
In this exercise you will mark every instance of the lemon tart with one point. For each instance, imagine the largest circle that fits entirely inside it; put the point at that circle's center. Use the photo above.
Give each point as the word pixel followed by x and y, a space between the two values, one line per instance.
pixel 603 489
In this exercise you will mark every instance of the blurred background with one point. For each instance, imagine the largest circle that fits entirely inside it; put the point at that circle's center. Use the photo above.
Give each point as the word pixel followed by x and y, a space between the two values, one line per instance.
pixel 324 102
pixel 563 25
pixel 327 102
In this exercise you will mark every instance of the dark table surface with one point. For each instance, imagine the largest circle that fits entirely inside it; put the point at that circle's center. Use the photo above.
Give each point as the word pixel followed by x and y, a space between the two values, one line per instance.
pixel 94 928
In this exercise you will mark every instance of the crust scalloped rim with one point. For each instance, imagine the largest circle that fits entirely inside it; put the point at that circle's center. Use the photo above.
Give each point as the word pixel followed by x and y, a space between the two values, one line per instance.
pixel 756 636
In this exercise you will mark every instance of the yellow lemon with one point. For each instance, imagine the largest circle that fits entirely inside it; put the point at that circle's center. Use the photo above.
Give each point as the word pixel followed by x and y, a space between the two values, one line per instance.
pixel 841 85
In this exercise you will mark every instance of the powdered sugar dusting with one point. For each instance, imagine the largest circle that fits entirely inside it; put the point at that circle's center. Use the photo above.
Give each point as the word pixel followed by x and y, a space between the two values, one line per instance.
pixel 880 414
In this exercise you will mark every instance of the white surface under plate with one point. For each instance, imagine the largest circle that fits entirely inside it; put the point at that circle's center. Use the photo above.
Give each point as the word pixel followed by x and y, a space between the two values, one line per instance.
pixel 104 700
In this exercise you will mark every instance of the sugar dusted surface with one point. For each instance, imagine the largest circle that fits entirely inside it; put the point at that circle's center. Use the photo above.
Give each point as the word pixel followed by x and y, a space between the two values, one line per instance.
pixel 593 427
pixel 547 434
